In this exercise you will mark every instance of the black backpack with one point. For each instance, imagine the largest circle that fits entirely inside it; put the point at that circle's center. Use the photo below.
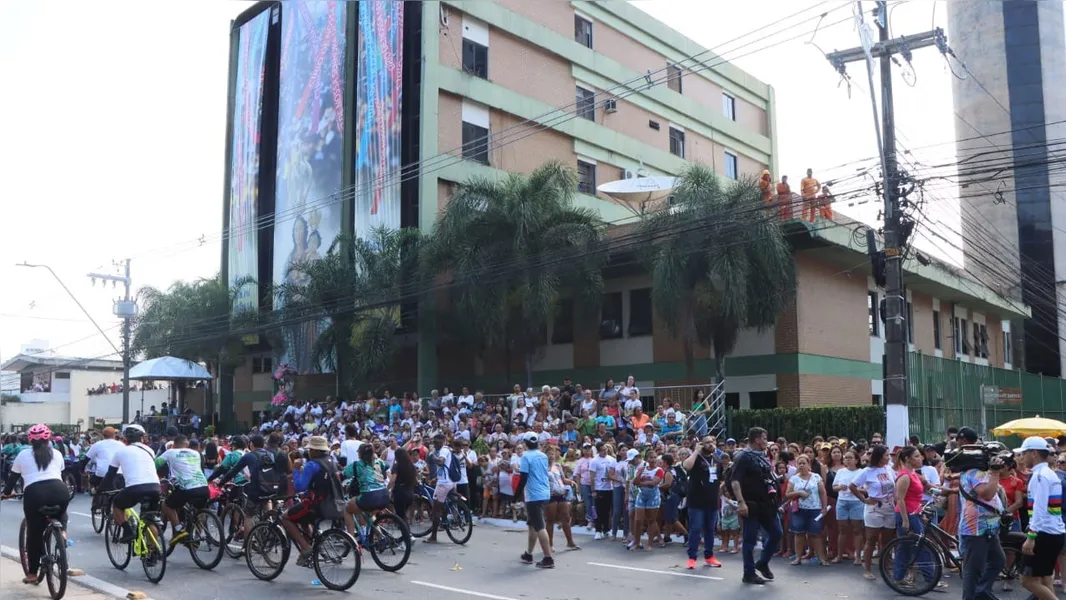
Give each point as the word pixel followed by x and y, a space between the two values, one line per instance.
pixel 727 477
pixel 680 481
pixel 270 476
pixel 332 504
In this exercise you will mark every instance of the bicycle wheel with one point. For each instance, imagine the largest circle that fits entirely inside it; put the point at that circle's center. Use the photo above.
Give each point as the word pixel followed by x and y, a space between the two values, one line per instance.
pixel 24 559
pixel 390 542
pixel 72 484
pixel 268 543
pixel 421 520
pixel 460 522
pixel 205 540
pixel 332 547
pixel 154 561
pixel 232 530
pixel 119 553
pixel 54 561
pixel 924 566
pixel 99 512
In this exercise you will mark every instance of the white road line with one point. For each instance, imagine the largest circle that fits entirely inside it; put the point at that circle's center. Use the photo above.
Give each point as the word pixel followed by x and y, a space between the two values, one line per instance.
pixel 80 514
pixel 595 564
pixel 462 591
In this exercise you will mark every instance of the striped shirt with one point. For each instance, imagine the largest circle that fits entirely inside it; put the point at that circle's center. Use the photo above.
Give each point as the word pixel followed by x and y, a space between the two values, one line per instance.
pixel 975 519
pixel 1045 501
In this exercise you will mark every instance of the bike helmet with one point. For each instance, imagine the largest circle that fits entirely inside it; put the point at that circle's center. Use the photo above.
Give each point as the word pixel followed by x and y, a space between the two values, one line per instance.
pixel 39 432
pixel 133 432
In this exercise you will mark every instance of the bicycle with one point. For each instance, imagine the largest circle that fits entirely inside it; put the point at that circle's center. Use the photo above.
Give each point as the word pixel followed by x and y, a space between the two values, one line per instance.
pixel 934 544
pixel 371 533
pixel 54 558
pixel 148 543
pixel 329 546
pixel 198 523
pixel 457 521
pixel 233 516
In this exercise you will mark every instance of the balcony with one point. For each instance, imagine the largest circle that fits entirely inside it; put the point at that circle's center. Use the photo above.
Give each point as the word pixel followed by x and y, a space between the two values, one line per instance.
pixel 40 397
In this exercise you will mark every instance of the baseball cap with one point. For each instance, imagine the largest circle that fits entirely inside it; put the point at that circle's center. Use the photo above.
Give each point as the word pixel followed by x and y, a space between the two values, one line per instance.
pixel 968 434
pixel 730 441
pixel 1034 443
pixel 633 453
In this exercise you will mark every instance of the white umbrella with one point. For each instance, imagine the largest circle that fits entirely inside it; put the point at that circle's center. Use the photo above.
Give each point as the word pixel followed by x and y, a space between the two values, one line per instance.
pixel 169 368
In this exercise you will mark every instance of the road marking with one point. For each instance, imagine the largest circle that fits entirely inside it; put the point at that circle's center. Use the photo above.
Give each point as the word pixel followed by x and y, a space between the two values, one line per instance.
pixel 80 514
pixel 92 583
pixel 596 564
pixel 462 591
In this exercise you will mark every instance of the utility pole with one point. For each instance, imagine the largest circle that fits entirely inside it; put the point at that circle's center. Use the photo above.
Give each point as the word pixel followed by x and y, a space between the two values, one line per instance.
pixel 125 309
pixel 895 358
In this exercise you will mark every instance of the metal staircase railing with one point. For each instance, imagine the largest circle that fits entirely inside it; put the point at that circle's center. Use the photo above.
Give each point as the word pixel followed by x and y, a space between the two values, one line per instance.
pixel 716 418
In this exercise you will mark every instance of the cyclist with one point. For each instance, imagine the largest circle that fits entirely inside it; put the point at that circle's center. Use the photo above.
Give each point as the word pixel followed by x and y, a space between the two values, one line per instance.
pixel 368 491
pixel 41 468
pixel 263 469
pixel 447 475
pixel 191 489
pixel 317 478
pixel 100 454
pixel 238 445
pixel 137 462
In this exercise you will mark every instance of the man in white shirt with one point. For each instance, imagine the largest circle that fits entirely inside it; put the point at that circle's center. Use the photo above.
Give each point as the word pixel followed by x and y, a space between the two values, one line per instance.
pixel 137 463
pixel 100 455
pixel 1047 532
pixel 466 399
pixel 448 475
pixel 350 446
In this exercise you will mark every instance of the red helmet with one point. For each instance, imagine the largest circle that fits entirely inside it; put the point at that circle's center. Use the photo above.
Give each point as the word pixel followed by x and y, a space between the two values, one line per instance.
pixel 39 432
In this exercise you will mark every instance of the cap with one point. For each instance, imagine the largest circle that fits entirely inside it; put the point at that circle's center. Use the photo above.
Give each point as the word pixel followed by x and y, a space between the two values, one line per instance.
pixel 968 434
pixel 730 441
pixel 1034 443
pixel 633 453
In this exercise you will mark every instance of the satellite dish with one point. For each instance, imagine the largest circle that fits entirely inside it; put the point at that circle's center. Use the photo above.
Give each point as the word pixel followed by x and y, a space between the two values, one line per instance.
pixel 639 194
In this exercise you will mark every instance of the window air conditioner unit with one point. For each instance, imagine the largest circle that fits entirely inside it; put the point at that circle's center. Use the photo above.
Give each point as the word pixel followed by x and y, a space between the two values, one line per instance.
pixel 443 15
pixel 629 174
pixel 610 105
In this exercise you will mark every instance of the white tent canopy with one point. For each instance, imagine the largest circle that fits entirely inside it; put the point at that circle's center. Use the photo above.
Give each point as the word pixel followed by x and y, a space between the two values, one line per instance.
pixel 169 368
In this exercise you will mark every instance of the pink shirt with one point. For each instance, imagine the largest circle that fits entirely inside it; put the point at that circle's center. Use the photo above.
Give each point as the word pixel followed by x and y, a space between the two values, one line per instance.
pixel 913 499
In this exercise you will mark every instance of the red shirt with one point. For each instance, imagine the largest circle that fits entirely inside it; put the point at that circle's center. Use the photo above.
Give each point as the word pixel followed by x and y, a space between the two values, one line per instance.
pixel 1012 485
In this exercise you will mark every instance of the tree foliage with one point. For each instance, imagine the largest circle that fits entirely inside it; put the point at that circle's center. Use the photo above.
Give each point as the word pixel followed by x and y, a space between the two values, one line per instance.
pixel 719 263
pixel 513 249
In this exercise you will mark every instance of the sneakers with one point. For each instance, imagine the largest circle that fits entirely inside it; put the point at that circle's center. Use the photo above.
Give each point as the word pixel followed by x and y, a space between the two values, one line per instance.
pixel 546 563
pixel 764 570
pixel 691 564
pixel 598 536
pixel 753 579
pixel 179 536
pixel 527 558
pixel 711 561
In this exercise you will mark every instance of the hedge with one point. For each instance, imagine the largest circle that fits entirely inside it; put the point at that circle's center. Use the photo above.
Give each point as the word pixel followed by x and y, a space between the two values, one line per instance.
pixel 802 424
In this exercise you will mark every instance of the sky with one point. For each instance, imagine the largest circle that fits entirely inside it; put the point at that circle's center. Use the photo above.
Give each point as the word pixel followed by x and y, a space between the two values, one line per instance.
pixel 118 109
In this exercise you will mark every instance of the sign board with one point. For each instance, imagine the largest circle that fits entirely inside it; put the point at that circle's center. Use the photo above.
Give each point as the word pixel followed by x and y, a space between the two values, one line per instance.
pixel 992 395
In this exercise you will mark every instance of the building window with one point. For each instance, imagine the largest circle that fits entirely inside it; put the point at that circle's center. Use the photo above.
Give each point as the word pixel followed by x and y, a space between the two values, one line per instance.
pixel 876 399
pixel 586 104
pixel 677 142
pixel 936 329
pixel 563 322
pixel 730 165
pixel 586 177
pixel 910 322
pixel 583 31
pixel 871 309
pixel 962 346
pixel 640 317
pixel 611 316
pixel 673 77
pixel 763 400
pixel 476 143
pixel 262 364
pixel 1007 350
pixel 475 58
pixel 729 107
pixel 980 340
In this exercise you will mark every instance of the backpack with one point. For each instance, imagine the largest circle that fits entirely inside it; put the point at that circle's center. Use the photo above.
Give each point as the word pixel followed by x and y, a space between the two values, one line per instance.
pixel 270 476
pixel 454 474
pixel 331 506
pixel 727 478
pixel 680 487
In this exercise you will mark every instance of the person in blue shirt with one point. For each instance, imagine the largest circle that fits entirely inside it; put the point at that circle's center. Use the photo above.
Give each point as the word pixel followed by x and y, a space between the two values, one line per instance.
pixel 317 479
pixel 534 482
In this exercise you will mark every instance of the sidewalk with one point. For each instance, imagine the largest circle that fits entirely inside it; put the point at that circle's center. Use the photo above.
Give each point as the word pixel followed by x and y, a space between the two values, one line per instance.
pixel 12 588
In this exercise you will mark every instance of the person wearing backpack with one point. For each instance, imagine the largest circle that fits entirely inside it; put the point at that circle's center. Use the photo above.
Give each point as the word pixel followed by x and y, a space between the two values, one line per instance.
pixel 266 474
pixel 446 468
pixel 319 482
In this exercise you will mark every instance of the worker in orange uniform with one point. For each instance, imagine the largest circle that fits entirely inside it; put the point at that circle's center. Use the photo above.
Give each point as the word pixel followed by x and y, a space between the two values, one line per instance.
pixel 784 198
pixel 825 204
pixel 766 186
pixel 809 187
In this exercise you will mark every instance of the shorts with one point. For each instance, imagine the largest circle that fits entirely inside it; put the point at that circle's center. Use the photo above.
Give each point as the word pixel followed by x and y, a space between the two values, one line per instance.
pixel 196 498
pixel 670 510
pixel 559 498
pixel 648 498
pixel 850 510
pixel 879 516
pixel 806 521
pixel 373 500
pixel 441 492
pixel 1046 549
pixel 535 514
pixel 145 493
pixel 303 512
pixel 506 498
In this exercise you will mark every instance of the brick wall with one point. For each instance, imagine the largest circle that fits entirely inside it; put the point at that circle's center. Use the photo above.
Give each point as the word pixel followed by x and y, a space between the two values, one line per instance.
pixel 828 390
pixel 831 310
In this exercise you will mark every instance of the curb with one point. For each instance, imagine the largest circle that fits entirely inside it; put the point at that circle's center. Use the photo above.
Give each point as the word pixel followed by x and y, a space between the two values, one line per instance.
pixel 507 523
pixel 86 581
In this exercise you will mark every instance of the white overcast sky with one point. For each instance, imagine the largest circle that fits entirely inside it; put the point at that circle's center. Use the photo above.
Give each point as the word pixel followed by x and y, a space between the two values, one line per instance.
pixel 114 117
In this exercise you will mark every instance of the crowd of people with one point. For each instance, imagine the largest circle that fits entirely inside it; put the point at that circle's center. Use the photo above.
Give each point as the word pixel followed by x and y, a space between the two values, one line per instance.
pixel 569 458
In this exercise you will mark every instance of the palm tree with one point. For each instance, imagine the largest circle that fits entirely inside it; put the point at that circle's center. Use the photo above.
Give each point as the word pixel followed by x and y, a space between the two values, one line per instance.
pixel 719 263
pixel 355 292
pixel 513 249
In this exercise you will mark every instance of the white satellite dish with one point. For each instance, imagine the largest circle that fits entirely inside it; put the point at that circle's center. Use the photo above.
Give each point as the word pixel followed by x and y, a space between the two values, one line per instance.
pixel 639 194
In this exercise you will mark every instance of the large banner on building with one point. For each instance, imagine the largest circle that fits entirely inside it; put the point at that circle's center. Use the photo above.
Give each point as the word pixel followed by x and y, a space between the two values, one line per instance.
pixel 378 99
pixel 310 169
pixel 244 160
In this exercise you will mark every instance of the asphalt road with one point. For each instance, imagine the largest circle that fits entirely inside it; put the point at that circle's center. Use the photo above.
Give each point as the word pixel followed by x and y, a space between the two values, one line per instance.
pixel 487 567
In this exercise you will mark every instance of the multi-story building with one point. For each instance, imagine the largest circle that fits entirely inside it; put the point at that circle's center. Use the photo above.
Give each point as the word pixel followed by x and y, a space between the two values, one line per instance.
pixel 495 87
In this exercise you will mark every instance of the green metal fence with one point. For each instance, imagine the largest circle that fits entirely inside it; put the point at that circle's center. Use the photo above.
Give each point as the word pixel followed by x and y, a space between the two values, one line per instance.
pixel 950 392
